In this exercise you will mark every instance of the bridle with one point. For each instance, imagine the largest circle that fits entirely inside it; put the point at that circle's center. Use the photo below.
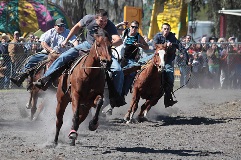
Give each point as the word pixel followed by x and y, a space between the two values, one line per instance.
pixel 158 66
pixel 103 63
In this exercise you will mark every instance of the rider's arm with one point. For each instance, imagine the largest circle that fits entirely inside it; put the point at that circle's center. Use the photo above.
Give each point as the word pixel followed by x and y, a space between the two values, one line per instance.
pixel 116 40
pixel 72 32
pixel 121 24
pixel 46 46
pixel 143 43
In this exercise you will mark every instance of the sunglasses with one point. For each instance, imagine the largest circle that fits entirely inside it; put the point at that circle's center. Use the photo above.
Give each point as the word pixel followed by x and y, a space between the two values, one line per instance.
pixel 60 25
pixel 134 27
pixel 166 28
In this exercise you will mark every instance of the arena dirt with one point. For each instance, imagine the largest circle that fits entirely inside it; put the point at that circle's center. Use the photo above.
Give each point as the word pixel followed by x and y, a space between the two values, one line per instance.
pixel 204 124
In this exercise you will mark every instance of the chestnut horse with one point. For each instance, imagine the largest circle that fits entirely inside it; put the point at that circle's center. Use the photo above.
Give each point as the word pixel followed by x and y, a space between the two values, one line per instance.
pixel 84 86
pixel 34 74
pixel 35 93
pixel 148 85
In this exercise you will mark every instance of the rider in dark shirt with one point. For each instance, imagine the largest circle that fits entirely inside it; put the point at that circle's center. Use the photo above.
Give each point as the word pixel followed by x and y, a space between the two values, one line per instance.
pixel 166 36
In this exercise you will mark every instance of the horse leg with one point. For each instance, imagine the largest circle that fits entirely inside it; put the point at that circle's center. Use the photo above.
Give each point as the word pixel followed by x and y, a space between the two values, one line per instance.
pixel 28 105
pixel 39 109
pixel 107 108
pixel 73 133
pixel 61 106
pixel 133 107
pixel 93 125
pixel 141 115
pixel 145 109
pixel 34 104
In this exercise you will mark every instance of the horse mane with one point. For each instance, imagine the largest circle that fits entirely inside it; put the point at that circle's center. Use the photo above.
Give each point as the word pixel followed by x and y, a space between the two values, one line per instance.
pixel 103 33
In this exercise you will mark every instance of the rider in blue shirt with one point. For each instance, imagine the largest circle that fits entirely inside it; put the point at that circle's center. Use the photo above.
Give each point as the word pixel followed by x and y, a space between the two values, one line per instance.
pixel 51 42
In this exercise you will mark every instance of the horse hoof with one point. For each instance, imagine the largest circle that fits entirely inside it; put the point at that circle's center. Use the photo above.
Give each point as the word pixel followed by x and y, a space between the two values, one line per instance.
pixel 52 145
pixel 126 118
pixel 92 126
pixel 142 119
pixel 28 106
pixel 128 122
pixel 131 121
pixel 72 142
pixel 73 135
pixel 109 112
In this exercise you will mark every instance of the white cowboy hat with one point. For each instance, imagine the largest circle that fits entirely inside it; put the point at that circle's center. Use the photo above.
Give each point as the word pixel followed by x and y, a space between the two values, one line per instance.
pixel 5 36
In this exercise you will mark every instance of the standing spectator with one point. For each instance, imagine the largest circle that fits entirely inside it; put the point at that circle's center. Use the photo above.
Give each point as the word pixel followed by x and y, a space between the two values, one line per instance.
pixel 2 70
pixel 204 75
pixel 238 66
pixel 196 65
pixel 30 41
pixel 222 49
pixel 213 63
pixel 234 61
pixel 183 67
pixel 16 51
pixel 7 62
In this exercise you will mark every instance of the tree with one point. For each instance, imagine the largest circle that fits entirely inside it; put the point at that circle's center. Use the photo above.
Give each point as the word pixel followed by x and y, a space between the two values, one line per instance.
pixel 213 6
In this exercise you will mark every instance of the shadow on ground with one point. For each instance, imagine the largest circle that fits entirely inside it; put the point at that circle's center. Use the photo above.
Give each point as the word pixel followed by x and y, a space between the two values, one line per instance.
pixel 188 120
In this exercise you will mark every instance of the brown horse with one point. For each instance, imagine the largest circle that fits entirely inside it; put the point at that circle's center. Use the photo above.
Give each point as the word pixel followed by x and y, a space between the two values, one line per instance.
pixel 35 73
pixel 84 87
pixel 148 85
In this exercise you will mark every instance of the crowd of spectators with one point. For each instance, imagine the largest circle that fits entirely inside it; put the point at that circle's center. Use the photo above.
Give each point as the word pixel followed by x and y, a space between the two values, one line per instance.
pixel 13 51
pixel 213 62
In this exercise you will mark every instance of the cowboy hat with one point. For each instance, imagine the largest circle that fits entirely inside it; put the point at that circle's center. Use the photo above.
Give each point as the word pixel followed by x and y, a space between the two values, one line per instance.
pixel 5 36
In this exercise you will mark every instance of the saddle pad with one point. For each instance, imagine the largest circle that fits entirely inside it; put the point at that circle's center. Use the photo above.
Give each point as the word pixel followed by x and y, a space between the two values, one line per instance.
pixel 76 62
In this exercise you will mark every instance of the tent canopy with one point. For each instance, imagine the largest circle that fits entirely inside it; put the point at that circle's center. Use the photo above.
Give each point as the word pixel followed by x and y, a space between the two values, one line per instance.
pixel 29 16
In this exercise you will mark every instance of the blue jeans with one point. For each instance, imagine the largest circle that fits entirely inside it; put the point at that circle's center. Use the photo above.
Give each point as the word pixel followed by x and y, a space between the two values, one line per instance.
pixel 73 53
pixel 128 80
pixel 34 60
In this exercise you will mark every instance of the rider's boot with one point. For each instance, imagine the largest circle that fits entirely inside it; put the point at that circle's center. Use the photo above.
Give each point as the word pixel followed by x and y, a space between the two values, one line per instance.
pixel 19 79
pixel 168 100
pixel 116 100
pixel 43 83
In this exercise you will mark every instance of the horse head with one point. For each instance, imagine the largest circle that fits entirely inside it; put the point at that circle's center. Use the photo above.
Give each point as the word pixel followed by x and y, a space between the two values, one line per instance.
pixel 103 47
pixel 159 57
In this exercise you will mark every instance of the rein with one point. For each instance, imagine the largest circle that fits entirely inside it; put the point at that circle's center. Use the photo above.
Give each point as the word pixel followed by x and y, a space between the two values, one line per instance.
pixel 96 51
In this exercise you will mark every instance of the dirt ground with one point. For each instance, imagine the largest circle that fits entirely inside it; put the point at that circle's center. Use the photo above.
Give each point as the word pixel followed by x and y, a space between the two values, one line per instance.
pixel 204 124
